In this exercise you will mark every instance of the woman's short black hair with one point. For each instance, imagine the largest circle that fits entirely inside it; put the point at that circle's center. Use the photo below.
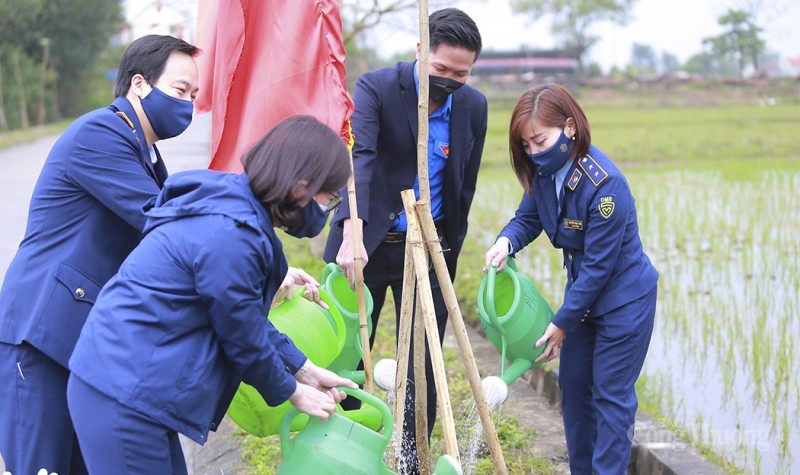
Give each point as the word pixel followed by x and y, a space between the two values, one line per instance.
pixel 148 56
pixel 453 27
pixel 300 148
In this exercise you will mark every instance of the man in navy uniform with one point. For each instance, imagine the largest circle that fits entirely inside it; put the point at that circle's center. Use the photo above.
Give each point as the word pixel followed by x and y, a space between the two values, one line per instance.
pixel 85 217
pixel 385 163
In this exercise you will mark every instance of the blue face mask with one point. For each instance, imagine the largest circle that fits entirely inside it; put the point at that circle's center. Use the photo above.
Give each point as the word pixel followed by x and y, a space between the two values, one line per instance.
pixel 311 222
pixel 168 116
pixel 551 160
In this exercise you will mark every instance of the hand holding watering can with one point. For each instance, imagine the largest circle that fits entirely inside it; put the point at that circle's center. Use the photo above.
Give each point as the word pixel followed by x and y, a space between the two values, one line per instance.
pixel 295 278
pixel 316 393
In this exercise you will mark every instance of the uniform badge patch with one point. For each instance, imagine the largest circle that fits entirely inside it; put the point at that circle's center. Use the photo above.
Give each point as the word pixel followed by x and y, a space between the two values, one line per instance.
pixel 573 224
pixel 445 148
pixel 606 206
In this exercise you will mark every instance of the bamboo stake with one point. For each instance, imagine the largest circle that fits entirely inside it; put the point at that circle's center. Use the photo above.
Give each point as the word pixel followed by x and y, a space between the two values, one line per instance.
pixel 414 235
pixel 420 387
pixel 422 103
pixel 420 383
pixel 403 347
pixel 355 227
pixel 460 331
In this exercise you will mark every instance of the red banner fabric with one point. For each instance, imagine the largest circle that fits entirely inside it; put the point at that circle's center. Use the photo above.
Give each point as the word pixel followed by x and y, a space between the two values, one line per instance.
pixel 264 61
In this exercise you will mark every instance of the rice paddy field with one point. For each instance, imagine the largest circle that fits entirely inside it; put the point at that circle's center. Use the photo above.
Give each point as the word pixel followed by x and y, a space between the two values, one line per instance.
pixel 717 189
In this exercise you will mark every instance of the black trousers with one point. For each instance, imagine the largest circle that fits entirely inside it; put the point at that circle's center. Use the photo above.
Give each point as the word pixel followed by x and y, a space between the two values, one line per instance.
pixel 384 271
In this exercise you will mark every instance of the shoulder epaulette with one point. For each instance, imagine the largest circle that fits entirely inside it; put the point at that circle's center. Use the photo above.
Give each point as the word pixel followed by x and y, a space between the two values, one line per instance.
pixel 593 170
pixel 126 119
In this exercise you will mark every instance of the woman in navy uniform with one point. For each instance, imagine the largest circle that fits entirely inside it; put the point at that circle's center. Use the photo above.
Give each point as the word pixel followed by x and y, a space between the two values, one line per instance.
pixel 85 216
pixel 581 200
pixel 184 320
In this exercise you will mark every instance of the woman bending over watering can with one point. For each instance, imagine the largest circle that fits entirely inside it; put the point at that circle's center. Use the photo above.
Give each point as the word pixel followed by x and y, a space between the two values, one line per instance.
pixel 581 200
pixel 184 321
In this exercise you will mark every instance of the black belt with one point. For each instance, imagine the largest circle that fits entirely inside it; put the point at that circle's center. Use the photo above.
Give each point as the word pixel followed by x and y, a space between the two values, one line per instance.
pixel 397 237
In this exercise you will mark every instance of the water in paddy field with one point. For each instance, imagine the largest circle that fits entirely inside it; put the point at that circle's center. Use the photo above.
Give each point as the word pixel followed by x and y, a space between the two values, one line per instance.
pixel 724 361
pixel 724 350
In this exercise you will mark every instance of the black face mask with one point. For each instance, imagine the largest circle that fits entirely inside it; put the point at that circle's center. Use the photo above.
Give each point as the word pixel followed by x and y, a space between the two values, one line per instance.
pixel 441 87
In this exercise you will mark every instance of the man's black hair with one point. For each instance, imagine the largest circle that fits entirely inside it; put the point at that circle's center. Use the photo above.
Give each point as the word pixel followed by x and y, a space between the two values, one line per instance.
pixel 148 56
pixel 453 27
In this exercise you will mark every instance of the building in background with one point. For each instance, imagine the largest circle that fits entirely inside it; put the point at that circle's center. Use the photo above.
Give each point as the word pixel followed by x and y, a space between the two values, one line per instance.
pixel 146 17
pixel 519 70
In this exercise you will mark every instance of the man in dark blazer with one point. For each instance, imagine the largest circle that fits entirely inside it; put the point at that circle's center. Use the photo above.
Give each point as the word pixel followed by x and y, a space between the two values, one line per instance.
pixel 85 217
pixel 385 163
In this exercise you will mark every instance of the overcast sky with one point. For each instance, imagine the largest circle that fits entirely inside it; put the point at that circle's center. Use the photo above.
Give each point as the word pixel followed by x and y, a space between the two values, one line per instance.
pixel 674 26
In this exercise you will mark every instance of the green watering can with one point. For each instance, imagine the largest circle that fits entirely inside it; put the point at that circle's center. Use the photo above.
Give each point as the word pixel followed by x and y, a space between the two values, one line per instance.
pixel 514 315
pixel 341 446
pixel 336 285
pixel 320 334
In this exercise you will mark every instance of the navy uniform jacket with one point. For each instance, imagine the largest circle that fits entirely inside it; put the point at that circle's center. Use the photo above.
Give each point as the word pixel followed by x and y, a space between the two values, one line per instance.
pixel 85 216
pixel 185 319
pixel 598 231
pixel 385 156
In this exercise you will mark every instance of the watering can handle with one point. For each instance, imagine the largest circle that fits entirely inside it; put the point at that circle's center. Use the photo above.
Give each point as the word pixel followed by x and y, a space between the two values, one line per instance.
pixel 329 269
pixel 388 422
pixel 491 311
pixel 338 320
pixel 490 285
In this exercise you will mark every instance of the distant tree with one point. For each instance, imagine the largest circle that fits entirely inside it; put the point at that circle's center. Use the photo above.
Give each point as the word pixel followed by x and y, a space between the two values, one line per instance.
pixel 360 17
pixel 573 19
pixel 79 32
pixel 741 43
pixel 669 63
pixel 593 70
pixel 643 59
pixel 52 43
pixel 709 64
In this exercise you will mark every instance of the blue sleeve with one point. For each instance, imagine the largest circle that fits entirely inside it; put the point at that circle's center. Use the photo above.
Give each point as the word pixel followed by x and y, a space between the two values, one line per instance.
pixel 230 274
pixel 106 165
pixel 525 226
pixel 602 244
pixel 291 356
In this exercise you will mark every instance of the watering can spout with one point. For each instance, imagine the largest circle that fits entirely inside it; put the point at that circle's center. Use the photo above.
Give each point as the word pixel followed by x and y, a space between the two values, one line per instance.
pixel 515 370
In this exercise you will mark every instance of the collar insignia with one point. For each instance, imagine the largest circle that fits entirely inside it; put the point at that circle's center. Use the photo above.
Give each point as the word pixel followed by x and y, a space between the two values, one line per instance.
pixel 574 179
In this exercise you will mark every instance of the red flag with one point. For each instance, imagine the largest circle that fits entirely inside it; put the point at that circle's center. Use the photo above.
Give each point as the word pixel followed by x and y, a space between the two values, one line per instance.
pixel 264 61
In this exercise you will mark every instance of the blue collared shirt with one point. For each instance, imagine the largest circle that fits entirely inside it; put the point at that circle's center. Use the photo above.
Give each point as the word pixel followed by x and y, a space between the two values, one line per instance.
pixel 438 152
pixel 559 177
